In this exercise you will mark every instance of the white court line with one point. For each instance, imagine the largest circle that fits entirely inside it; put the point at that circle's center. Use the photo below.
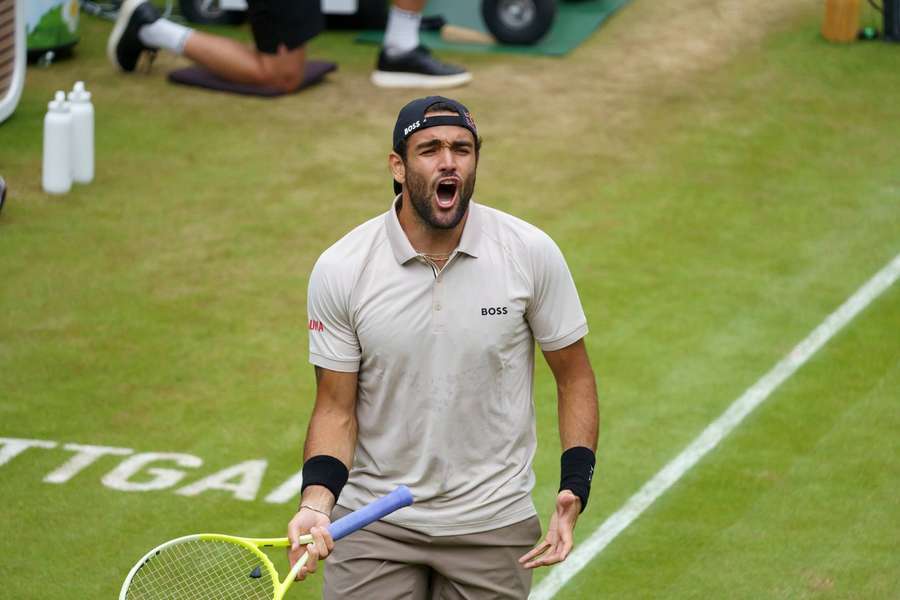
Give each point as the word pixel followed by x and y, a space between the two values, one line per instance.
pixel 715 432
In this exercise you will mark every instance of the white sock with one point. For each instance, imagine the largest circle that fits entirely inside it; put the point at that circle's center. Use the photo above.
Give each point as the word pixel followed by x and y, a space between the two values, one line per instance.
pixel 165 34
pixel 402 33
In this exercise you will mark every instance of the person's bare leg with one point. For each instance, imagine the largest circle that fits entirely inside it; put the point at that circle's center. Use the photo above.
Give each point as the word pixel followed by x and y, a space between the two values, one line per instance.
pixel 411 5
pixel 242 63
pixel 139 27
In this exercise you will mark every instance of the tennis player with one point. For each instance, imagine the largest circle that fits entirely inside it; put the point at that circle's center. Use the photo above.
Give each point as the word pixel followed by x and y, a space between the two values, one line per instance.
pixel 422 328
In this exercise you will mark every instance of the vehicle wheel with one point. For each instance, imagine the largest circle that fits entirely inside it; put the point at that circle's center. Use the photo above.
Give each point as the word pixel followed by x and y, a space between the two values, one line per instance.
pixel 518 21
pixel 209 12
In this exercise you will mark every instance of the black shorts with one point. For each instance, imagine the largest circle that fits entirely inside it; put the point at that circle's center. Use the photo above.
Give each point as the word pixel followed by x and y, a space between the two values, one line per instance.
pixel 288 22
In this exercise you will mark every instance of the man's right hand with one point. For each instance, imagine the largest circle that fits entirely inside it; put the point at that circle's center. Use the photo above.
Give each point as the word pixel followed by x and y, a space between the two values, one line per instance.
pixel 315 523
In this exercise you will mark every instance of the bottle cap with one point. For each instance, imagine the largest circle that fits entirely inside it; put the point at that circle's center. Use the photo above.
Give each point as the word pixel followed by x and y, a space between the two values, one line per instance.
pixel 78 93
pixel 58 104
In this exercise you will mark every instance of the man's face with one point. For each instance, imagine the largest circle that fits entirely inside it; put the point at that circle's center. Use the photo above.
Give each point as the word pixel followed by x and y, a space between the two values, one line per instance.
pixel 440 174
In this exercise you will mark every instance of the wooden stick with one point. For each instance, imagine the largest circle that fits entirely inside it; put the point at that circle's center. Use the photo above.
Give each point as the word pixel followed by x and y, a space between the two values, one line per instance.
pixel 465 35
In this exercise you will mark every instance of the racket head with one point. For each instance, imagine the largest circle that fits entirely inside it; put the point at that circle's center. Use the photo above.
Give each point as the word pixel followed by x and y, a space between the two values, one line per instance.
pixel 206 566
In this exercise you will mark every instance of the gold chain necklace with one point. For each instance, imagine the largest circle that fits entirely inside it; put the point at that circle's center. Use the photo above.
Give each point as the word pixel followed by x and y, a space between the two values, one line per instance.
pixel 435 256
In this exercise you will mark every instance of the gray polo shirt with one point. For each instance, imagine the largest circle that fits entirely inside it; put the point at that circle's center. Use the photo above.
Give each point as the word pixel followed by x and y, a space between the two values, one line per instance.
pixel 445 362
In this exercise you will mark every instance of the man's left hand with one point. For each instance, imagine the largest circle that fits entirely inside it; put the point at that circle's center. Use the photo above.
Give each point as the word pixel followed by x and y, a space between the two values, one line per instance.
pixel 558 542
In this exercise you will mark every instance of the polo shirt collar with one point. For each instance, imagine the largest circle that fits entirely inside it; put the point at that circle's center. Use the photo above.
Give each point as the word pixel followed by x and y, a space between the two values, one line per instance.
pixel 403 250
pixel 471 235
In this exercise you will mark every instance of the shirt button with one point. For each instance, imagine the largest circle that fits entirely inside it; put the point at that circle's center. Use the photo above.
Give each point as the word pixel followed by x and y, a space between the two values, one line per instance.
pixel 437 307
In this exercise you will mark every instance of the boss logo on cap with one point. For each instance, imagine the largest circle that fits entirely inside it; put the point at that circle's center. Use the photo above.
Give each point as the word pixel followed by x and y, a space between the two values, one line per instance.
pixel 413 127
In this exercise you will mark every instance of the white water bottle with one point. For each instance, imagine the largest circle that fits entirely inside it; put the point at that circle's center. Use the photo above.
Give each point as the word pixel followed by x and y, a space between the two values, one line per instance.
pixel 82 134
pixel 57 168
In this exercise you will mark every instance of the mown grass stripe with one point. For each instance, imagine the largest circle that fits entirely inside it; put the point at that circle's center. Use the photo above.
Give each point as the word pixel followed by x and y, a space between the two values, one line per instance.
pixel 716 432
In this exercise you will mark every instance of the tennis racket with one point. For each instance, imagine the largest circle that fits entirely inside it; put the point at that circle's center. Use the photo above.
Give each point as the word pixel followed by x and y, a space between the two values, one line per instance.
pixel 212 566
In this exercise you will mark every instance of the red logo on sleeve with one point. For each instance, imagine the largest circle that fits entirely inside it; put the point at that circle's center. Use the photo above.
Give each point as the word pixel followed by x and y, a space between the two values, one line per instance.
pixel 315 325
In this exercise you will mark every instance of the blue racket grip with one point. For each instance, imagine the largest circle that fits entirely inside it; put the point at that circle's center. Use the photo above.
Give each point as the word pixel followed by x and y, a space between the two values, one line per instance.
pixel 371 512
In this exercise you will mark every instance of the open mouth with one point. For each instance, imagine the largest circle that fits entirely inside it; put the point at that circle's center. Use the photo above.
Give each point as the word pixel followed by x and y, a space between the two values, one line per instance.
pixel 446 192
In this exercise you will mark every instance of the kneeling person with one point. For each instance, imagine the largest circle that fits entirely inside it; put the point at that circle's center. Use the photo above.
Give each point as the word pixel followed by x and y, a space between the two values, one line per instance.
pixel 281 29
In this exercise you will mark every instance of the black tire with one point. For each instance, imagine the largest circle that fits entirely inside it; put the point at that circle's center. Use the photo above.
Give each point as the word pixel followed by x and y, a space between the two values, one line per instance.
pixel 518 21
pixel 208 12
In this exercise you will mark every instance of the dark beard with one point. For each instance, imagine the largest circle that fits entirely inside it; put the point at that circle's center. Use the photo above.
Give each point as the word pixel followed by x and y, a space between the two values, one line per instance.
pixel 420 195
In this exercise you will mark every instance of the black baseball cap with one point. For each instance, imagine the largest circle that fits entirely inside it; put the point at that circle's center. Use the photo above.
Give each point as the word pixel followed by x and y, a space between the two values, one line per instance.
pixel 412 119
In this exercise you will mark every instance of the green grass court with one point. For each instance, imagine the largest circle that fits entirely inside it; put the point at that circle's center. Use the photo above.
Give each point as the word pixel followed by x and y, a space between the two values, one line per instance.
pixel 719 185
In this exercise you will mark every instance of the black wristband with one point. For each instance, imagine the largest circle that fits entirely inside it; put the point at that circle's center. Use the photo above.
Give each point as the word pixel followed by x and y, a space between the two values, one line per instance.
pixel 326 471
pixel 576 472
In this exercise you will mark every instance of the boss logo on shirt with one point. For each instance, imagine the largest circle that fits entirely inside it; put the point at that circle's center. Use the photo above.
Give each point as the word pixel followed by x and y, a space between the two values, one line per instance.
pixel 494 310
pixel 315 325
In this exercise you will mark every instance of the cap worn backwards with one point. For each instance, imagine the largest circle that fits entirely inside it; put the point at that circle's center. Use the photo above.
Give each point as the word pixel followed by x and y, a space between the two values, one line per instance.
pixel 412 119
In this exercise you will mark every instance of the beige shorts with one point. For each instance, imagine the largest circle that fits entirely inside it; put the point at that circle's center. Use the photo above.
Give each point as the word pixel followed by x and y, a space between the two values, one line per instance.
pixel 384 562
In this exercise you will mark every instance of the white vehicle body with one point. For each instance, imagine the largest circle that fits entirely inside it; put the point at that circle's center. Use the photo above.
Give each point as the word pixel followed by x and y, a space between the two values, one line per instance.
pixel 329 7
pixel 12 54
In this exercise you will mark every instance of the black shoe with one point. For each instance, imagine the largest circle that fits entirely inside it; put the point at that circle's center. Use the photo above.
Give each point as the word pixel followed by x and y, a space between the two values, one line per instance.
pixel 417 69
pixel 124 47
